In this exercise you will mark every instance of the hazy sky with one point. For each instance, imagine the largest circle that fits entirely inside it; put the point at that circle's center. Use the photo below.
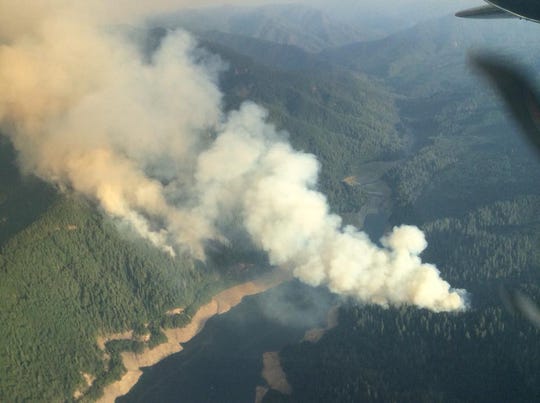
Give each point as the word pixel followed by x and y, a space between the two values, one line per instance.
pixel 402 10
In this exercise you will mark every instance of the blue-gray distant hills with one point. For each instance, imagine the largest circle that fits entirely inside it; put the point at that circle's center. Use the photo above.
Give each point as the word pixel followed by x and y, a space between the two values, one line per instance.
pixel 440 45
pixel 298 25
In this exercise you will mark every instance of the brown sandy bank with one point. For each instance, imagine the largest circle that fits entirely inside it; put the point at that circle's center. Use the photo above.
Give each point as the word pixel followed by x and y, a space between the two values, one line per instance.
pixel 272 371
pixel 219 304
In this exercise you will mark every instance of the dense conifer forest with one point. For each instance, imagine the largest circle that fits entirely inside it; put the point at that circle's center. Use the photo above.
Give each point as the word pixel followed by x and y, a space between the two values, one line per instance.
pixel 471 182
pixel 456 167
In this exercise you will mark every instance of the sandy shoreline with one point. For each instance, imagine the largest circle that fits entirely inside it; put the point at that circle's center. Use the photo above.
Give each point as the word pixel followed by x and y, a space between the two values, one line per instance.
pixel 220 303
pixel 273 373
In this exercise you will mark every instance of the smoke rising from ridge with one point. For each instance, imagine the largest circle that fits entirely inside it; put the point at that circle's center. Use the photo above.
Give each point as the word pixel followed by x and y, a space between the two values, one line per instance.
pixel 149 142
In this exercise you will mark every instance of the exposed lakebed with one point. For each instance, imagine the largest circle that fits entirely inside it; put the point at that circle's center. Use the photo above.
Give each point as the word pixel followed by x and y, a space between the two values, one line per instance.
pixel 223 363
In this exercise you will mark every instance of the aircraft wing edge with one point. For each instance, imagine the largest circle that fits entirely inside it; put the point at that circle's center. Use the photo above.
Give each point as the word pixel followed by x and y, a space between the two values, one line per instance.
pixel 483 12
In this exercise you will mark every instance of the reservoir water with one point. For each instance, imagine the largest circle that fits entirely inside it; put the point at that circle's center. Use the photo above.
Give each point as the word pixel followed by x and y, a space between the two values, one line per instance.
pixel 223 363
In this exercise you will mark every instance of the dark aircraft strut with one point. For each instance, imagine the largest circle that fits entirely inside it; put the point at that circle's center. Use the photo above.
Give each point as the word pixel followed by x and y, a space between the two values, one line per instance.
pixel 525 9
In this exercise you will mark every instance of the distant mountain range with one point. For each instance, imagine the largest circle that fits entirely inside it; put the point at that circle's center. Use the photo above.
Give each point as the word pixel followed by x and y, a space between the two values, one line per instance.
pixel 299 25
pixel 314 25
pixel 299 37
pixel 442 44
pixel 435 39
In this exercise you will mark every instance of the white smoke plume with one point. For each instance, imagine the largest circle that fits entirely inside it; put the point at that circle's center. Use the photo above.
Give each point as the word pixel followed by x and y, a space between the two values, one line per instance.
pixel 85 110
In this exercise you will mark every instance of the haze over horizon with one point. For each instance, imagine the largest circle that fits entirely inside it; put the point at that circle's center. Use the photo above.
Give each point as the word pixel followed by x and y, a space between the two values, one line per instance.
pixel 375 19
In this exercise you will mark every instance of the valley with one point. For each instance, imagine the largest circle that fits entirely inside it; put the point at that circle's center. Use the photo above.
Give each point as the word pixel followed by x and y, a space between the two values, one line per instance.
pixel 403 132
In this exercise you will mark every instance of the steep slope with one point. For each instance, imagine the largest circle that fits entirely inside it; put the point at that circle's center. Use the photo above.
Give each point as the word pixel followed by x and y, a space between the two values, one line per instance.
pixel 440 47
pixel 344 119
pixel 68 274
pixel 270 54
pixel 68 277
pixel 460 135
pixel 487 354
pixel 472 184
pixel 22 199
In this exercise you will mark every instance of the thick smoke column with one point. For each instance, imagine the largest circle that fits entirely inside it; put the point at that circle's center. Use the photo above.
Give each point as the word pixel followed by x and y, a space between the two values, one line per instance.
pixel 285 216
pixel 85 110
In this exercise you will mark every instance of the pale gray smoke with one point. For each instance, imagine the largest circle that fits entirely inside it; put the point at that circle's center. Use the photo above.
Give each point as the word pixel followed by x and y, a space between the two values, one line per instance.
pixel 249 166
pixel 84 110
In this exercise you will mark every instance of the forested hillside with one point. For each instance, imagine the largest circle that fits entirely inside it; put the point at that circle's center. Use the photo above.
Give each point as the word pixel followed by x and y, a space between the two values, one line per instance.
pixel 455 165
pixel 439 47
pixel 472 183
pixel 22 199
pixel 344 119
pixel 68 274
pixel 486 354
